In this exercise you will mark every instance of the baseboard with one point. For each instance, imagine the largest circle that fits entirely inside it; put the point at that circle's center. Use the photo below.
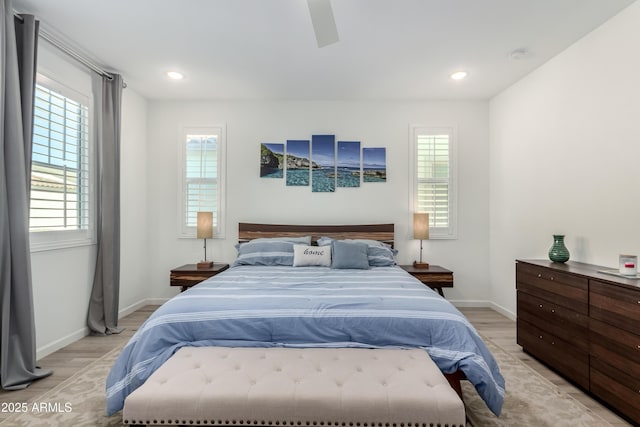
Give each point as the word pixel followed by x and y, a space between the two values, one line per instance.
pixel 470 303
pixel 56 345
pixel 138 305
pixel 507 313
pixel 484 304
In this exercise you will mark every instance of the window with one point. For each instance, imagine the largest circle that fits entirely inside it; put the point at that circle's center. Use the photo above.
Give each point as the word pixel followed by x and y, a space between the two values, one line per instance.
pixel 201 169
pixel 61 200
pixel 433 185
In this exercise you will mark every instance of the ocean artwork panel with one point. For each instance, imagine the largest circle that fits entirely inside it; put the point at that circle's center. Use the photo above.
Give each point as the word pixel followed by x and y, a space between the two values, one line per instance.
pixel 271 160
pixel 323 155
pixel 298 162
pixel 348 164
pixel 374 164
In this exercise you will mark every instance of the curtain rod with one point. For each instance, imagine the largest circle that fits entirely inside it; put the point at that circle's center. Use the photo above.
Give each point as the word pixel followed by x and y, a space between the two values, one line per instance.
pixel 72 53
pixel 75 55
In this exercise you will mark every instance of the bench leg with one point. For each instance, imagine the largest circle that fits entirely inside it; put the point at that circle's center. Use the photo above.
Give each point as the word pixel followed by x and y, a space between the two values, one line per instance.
pixel 454 381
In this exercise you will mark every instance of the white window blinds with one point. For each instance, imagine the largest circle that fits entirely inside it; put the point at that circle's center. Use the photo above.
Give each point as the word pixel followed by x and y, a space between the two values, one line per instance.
pixel 60 163
pixel 433 187
pixel 202 178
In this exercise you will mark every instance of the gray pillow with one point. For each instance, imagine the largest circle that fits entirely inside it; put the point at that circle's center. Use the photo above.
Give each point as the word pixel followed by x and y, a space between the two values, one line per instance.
pixel 379 254
pixel 351 255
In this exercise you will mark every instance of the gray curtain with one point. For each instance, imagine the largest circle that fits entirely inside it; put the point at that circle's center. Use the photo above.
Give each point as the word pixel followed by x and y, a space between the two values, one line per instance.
pixel 103 306
pixel 19 40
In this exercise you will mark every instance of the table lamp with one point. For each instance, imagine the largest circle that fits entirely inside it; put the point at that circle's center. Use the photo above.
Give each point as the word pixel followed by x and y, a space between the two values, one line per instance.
pixel 421 232
pixel 204 230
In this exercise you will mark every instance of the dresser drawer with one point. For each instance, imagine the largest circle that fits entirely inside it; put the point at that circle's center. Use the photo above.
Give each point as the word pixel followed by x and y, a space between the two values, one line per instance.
pixel 616 388
pixel 615 305
pixel 560 321
pixel 615 347
pixel 561 288
pixel 566 358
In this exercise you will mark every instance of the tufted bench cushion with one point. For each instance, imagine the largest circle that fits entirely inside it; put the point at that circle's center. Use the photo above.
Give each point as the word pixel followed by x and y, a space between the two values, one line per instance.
pixel 296 387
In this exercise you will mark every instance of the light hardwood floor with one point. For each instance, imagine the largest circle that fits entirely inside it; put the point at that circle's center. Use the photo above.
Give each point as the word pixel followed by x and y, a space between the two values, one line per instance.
pixel 68 360
pixel 65 362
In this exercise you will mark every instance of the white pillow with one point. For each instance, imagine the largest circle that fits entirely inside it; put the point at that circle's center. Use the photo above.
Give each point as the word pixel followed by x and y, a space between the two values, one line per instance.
pixel 304 255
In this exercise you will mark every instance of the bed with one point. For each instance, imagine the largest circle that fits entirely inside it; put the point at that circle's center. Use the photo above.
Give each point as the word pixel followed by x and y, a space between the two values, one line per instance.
pixel 268 302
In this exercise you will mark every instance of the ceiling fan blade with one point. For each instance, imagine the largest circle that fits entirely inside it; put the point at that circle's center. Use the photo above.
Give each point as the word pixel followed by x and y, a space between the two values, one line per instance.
pixel 324 24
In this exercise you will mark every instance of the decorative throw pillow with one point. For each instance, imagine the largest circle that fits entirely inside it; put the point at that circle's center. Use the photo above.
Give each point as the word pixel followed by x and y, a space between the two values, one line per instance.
pixel 349 255
pixel 304 255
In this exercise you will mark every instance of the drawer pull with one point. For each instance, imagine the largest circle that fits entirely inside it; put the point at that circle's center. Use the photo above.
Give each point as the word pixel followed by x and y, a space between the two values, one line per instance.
pixel 551 278
pixel 540 305
pixel 540 275
pixel 552 310
pixel 540 336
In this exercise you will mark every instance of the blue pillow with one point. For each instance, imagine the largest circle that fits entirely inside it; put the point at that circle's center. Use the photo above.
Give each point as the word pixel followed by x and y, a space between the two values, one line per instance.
pixel 352 255
pixel 324 241
pixel 379 254
pixel 265 252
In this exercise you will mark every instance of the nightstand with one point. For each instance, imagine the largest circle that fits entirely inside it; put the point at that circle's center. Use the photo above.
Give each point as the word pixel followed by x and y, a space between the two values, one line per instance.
pixel 435 276
pixel 189 275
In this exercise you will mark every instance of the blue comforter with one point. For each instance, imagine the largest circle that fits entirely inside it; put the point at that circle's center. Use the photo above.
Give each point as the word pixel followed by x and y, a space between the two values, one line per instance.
pixel 253 306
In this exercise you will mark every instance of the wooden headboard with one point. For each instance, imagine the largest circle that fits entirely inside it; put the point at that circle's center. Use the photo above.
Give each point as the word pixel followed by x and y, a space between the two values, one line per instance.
pixel 381 232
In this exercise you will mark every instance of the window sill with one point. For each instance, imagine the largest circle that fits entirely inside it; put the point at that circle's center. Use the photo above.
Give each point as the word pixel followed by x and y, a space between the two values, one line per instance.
pixel 60 244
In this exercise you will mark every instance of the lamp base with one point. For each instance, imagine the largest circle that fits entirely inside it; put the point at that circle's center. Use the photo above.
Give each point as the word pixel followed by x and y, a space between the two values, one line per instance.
pixel 417 264
pixel 205 264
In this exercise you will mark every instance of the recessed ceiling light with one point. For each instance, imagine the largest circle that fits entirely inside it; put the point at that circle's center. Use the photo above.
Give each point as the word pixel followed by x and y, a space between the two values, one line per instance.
pixel 459 75
pixel 174 75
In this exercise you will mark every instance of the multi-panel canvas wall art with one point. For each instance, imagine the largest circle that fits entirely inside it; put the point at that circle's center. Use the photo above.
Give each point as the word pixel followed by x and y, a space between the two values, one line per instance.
pixel 271 160
pixel 348 170
pixel 374 164
pixel 298 163
pixel 323 154
pixel 322 163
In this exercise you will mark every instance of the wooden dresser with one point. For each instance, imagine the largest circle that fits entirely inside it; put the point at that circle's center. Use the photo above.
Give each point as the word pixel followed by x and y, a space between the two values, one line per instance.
pixel 585 325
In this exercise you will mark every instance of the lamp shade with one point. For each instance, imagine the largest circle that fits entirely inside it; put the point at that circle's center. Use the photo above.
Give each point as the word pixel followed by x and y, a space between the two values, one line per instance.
pixel 421 226
pixel 204 230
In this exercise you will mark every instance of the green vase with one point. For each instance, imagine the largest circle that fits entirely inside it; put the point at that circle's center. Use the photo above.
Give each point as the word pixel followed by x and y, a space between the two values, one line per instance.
pixel 558 251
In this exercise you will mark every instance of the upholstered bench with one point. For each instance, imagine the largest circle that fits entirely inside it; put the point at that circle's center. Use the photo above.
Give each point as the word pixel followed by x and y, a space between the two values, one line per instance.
pixel 296 387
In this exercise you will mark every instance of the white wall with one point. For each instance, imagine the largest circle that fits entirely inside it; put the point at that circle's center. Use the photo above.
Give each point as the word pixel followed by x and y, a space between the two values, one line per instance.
pixel 62 278
pixel 252 199
pixel 565 156
pixel 134 248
